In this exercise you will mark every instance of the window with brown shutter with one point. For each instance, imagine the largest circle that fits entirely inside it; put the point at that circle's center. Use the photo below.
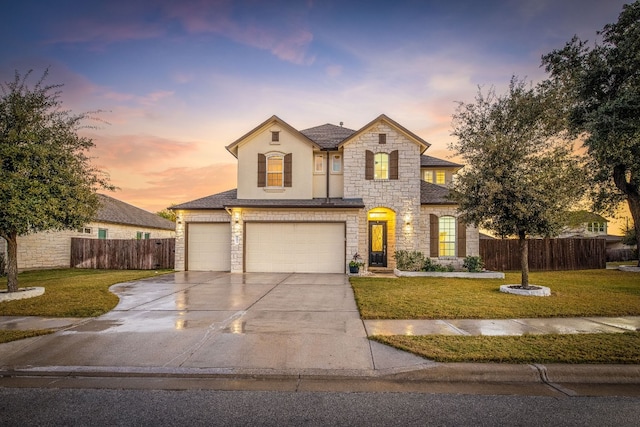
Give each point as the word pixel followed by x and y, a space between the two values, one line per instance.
pixel 288 164
pixel 262 170
pixel 433 236
pixel 462 239
pixel 368 169
pixel 393 165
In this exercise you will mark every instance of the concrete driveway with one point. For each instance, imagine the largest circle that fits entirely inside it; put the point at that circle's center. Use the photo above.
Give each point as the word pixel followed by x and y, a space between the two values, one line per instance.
pixel 220 322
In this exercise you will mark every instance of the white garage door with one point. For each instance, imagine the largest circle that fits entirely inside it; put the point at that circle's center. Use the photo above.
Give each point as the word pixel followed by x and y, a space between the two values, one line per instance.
pixel 295 247
pixel 209 247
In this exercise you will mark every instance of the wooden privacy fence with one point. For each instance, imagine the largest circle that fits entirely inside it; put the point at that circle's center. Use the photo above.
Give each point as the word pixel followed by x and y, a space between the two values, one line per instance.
pixel 545 254
pixel 117 254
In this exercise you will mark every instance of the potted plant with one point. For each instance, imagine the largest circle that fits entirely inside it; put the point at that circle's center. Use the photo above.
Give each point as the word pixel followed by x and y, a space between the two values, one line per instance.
pixel 355 263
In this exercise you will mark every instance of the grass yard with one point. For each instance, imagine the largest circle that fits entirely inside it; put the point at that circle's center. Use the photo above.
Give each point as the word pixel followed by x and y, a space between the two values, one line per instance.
pixel 573 293
pixel 576 348
pixel 6 336
pixel 69 292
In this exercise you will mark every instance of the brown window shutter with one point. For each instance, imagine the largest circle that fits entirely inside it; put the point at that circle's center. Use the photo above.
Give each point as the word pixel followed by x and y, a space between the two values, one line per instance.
pixel 433 236
pixel 262 170
pixel 462 238
pixel 393 165
pixel 288 163
pixel 368 168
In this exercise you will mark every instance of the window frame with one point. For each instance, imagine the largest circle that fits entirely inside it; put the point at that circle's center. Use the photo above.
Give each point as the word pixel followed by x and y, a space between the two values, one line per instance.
pixel 440 174
pixel 104 231
pixel 447 236
pixel 334 162
pixel 385 166
pixel 317 157
pixel 269 159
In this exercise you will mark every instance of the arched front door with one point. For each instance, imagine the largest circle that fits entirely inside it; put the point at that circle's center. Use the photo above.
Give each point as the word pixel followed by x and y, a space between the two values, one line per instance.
pixel 377 243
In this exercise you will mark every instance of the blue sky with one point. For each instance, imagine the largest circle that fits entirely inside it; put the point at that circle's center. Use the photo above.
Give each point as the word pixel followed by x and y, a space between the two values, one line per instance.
pixel 180 80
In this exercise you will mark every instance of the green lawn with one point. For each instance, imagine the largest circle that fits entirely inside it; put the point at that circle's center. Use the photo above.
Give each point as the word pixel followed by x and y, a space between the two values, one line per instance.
pixel 69 292
pixel 573 293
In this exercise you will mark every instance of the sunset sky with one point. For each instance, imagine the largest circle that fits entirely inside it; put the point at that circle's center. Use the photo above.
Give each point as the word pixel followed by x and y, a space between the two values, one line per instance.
pixel 179 80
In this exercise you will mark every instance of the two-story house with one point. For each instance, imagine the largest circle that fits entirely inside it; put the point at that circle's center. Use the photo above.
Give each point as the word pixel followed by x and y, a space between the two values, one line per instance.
pixel 308 200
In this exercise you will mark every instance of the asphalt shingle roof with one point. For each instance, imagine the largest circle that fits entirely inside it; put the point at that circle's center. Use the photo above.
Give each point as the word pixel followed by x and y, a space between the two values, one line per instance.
pixel 328 136
pixel 429 161
pixel 229 199
pixel 118 212
pixel 432 194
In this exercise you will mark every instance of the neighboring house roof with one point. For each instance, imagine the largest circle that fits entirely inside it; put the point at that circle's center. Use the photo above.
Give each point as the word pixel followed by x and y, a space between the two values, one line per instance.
pixel 229 199
pixel 118 212
pixel 328 136
pixel 429 161
pixel 578 218
pixel 432 194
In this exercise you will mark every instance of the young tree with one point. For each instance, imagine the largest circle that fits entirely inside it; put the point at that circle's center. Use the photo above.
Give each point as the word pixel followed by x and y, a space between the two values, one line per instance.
pixel 520 172
pixel 602 86
pixel 167 213
pixel 46 179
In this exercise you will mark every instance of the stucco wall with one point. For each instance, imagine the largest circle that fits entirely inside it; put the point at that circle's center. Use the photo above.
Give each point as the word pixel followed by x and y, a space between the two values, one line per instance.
pixel 302 165
pixel 53 249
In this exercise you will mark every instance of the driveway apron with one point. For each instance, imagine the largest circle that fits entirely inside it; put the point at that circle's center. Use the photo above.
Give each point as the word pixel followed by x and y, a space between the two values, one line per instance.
pixel 223 321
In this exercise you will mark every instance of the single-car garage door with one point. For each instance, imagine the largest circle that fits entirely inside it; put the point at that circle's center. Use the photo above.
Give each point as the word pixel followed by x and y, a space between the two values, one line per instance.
pixel 208 246
pixel 308 247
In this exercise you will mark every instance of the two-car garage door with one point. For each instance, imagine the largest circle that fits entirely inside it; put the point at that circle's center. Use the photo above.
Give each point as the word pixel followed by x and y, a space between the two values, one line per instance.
pixel 305 247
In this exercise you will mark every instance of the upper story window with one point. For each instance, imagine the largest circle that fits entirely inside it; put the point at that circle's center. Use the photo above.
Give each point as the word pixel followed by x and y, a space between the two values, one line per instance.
pixel 440 177
pixel 382 138
pixel 336 163
pixel 427 176
pixel 275 171
pixel 275 136
pixel 446 236
pixel 434 177
pixel 596 227
pixel 381 166
pixel 318 163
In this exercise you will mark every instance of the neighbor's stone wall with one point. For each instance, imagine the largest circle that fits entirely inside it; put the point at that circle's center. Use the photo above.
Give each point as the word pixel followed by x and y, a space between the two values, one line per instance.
pixel 402 196
pixel 52 249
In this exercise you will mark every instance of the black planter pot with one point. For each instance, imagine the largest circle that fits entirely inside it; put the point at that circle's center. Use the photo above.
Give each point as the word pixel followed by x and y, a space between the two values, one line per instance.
pixel 354 270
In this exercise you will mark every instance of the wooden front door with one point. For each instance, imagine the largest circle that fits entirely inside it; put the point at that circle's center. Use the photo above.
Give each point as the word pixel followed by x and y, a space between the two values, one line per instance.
pixel 377 244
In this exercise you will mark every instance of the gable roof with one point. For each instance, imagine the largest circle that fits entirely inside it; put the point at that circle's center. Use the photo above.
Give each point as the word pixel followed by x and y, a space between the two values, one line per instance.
pixel 328 136
pixel 229 199
pixel 118 212
pixel 432 194
pixel 383 118
pixel 273 120
pixel 429 161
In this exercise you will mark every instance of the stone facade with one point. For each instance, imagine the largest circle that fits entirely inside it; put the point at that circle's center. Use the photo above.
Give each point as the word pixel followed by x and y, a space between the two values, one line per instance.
pixel 52 249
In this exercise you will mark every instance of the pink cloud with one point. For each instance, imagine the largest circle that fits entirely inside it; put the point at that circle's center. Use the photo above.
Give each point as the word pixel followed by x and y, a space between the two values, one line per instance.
pixel 137 152
pixel 178 185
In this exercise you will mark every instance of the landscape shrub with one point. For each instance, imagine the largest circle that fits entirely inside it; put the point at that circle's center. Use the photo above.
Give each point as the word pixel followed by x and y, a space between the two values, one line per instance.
pixel 473 264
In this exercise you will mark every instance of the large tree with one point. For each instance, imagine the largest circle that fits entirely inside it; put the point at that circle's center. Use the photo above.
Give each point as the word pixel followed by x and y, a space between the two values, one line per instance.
pixel 602 87
pixel 46 181
pixel 520 173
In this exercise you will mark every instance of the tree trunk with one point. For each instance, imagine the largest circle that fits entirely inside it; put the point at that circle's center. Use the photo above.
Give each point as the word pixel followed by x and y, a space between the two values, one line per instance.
pixel 12 262
pixel 524 259
pixel 633 198
pixel 634 207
